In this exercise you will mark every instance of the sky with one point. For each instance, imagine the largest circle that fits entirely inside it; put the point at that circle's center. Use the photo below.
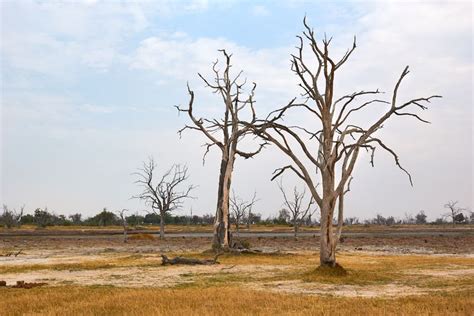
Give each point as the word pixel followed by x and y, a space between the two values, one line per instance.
pixel 88 89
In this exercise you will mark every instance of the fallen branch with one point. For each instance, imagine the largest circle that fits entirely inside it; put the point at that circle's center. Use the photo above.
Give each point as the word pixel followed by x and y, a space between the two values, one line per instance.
pixel 188 261
pixel 12 253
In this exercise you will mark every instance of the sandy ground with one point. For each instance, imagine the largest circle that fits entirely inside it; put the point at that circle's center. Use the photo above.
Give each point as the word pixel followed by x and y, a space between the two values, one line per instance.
pixel 40 253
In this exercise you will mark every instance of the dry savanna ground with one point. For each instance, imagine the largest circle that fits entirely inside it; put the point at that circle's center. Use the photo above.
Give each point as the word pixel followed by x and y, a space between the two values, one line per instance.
pixel 101 275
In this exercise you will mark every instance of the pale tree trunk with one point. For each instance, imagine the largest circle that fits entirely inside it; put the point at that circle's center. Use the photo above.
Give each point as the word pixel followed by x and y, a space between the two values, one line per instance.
pixel 125 228
pixel 162 224
pixel 327 254
pixel 295 228
pixel 222 238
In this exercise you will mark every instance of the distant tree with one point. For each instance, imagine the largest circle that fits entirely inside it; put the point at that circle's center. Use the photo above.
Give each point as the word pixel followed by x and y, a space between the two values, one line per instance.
pixel 379 220
pixel 298 207
pixel 122 215
pixel 43 218
pixel 283 216
pixel 105 218
pixel 455 212
pixel 152 219
pixel 440 221
pixel 136 219
pixel 253 218
pixel 27 219
pixel 164 196
pixel 390 221
pixel 11 218
pixel 351 221
pixel 420 218
pixel 240 208
pixel 76 218
pixel 409 219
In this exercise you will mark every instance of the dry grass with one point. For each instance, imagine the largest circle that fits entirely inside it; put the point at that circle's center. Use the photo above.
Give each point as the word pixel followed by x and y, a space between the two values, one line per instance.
pixel 257 284
pixel 220 300
pixel 141 237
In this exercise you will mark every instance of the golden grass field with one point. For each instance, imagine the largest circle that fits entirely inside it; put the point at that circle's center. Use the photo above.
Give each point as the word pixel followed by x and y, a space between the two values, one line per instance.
pixel 103 276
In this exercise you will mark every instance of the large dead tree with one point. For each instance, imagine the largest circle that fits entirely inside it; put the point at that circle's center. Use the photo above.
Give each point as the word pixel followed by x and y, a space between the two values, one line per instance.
pixel 241 208
pixel 326 152
pixel 225 133
pixel 298 207
pixel 166 195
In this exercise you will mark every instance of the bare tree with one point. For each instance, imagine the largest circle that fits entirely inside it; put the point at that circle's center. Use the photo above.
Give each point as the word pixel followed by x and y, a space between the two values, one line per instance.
pixel 224 133
pixel 123 219
pixel 11 218
pixel 241 208
pixel 327 155
pixel 299 210
pixel 164 196
pixel 454 211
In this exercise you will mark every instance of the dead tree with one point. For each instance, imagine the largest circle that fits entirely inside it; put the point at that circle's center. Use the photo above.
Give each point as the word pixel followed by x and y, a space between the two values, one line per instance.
pixel 241 208
pixel 164 196
pixel 188 261
pixel 11 218
pixel 123 219
pixel 327 154
pixel 225 133
pixel 299 210
pixel 454 211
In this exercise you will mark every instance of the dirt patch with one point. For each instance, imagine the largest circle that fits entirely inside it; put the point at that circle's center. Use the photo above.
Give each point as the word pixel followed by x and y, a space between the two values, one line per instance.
pixel 300 287
pixel 443 273
pixel 144 276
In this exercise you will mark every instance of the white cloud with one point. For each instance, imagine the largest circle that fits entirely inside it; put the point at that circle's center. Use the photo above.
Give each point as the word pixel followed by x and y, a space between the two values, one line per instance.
pixel 260 10
pixel 98 108
pixel 183 58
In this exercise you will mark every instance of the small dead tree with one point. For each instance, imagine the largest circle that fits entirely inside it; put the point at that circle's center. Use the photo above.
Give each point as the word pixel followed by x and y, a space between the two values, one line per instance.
pixel 241 208
pixel 454 211
pixel 122 215
pixel 299 210
pixel 326 150
pixel 11 218
pixel 164 196
pixel 225 133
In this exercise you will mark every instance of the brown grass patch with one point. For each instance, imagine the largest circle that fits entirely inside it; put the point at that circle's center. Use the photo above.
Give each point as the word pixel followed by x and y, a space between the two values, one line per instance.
pixel 69 300
pixel 141 237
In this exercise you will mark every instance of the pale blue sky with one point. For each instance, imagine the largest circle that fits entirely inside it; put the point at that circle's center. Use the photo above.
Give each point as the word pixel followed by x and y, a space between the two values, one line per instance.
pixel 88 89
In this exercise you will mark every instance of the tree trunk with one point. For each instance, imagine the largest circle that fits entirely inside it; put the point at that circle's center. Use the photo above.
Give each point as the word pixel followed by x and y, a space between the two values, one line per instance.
pixel 222 236
pixel 295 228
pixel 125 237
pixel 162 224
pixel 327 254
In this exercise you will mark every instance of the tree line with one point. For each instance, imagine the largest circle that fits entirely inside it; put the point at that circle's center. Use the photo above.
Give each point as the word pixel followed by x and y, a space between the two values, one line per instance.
pixel 42 218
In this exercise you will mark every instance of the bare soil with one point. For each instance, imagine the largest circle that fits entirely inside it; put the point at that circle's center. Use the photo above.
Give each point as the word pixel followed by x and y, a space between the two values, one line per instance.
pixel 107 261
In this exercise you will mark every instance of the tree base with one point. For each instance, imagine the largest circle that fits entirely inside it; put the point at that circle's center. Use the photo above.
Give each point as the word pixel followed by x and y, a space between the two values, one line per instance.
pixel 331 269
